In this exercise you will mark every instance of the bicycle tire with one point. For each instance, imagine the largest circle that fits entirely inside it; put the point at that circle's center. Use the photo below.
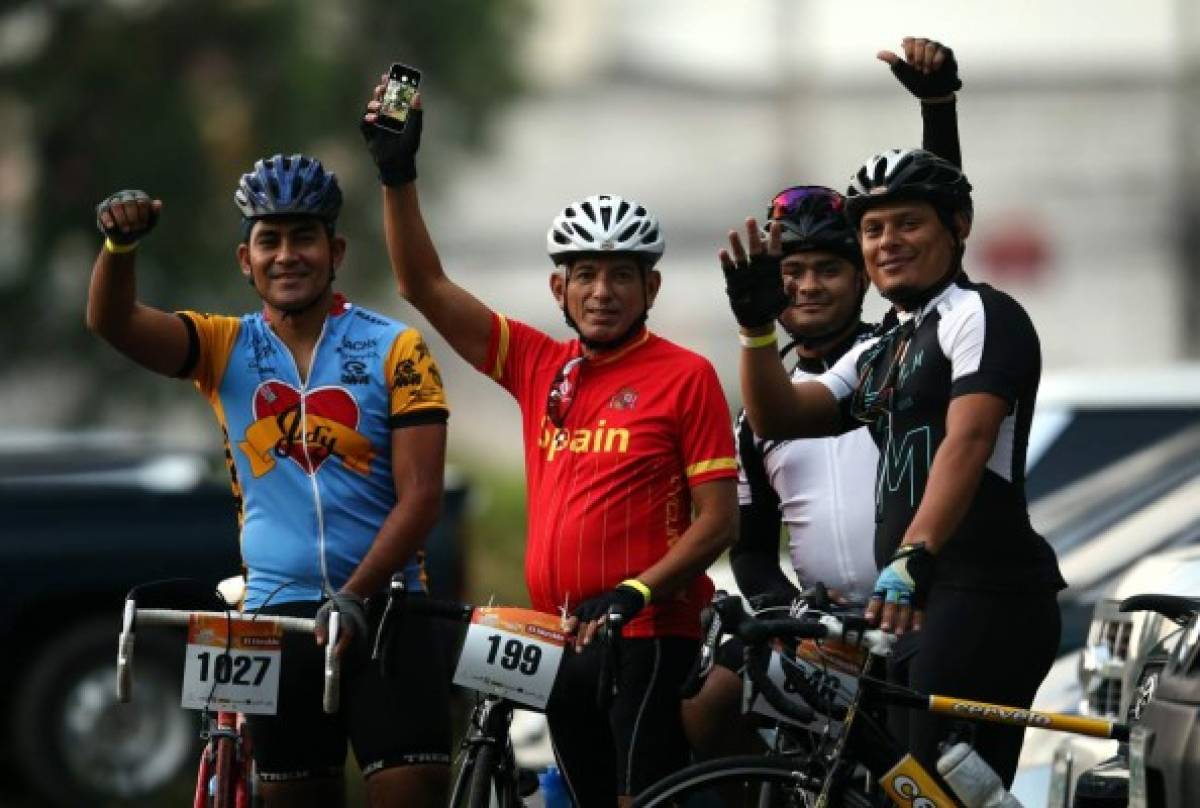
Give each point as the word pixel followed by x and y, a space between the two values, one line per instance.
pixel 479 787
pixel 744 775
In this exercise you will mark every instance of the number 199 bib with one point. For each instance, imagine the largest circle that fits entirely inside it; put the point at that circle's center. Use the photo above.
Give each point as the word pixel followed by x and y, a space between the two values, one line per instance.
pixel 513 653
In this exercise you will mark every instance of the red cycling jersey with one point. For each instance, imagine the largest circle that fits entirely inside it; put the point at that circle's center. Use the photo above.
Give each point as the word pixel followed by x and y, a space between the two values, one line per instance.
pixel 609 492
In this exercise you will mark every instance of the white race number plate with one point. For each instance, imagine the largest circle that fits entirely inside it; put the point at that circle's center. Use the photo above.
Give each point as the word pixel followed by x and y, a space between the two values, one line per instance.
pixel 513 653
pixel 238 673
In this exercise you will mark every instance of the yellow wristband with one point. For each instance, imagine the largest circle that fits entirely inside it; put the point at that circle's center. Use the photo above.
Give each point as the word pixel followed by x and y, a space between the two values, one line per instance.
pixel 761 341
pixel 634 583
pixel 118 249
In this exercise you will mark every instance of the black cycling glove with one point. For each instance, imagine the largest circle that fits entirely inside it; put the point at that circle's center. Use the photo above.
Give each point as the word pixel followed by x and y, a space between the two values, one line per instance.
pixel 755 289
pixel 352 616
pixel 114 233
pixel 940 82
pixel 624 600
pixel 395 153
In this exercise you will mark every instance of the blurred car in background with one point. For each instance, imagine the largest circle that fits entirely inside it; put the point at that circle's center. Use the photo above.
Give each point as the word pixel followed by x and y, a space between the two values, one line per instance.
pixel 1113 476
pixel 1113 676
pixel 85 519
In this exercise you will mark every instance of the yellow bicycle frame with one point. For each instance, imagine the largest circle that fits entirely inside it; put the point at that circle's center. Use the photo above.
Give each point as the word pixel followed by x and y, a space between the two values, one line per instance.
pixel 910 785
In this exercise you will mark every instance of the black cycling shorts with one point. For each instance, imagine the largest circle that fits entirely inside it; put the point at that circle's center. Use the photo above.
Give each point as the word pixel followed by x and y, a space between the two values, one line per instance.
pixel 400 721
pixel 640 739
pixel 974 644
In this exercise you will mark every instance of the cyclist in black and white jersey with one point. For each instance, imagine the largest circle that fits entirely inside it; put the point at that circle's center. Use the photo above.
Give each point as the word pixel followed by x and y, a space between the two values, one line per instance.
pixel 947 390
pixel 818 489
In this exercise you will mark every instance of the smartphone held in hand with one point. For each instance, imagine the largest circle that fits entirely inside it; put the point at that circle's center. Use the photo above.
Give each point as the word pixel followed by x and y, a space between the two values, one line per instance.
pixel 398 96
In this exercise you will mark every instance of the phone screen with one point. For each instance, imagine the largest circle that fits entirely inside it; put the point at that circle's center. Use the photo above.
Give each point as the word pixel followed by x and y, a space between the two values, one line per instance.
pixel 398 95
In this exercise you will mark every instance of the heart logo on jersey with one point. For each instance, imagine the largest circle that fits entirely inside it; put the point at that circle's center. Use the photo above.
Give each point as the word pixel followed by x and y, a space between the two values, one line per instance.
pixel 329 429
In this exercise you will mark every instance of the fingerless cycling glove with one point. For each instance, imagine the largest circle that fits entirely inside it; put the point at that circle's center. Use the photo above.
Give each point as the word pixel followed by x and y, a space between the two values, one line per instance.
pixel 940 82
pixel 395 153
pixel 755 289
pixel 114 233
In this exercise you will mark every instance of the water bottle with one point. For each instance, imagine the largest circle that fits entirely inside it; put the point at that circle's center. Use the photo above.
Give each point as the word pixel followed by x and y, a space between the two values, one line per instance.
pixel 554 789
pixel 972 780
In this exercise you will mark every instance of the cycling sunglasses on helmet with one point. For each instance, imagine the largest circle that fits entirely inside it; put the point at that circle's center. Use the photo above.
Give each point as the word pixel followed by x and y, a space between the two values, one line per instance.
pixel 810 199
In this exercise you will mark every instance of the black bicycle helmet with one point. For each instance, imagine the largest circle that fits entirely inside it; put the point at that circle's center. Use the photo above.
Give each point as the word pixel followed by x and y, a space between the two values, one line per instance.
pixel 289 186
pixel 813 217
pixel 909 174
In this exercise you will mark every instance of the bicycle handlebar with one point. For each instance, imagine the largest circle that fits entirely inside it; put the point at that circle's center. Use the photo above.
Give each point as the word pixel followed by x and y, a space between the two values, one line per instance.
pixel 134 616
pixel 456 611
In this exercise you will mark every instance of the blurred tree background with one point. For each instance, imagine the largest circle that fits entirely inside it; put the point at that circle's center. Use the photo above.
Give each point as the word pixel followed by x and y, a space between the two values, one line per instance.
pixel 179 97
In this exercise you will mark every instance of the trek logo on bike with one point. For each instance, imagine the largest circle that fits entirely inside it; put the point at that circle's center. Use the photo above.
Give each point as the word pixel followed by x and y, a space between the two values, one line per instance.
pixel 512 653
pixel 232 665
pixel 910 786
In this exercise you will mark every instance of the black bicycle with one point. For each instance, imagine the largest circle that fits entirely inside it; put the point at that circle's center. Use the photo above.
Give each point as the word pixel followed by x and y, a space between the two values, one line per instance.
pixel 821 774
pixel 488 775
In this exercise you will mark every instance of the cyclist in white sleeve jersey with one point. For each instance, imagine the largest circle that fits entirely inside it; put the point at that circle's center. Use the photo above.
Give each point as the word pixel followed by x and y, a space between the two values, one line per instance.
pixel 820 489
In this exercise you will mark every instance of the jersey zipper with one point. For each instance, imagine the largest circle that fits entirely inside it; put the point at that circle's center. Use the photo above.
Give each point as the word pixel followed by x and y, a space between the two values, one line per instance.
pixel 843 559
pixel 310 469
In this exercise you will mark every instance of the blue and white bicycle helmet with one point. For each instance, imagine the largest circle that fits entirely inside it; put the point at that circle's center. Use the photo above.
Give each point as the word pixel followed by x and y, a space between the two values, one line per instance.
pixel 295 185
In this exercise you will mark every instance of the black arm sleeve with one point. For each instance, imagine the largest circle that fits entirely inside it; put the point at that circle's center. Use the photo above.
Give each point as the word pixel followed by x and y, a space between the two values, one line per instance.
pixel 940 131
pixel 755 556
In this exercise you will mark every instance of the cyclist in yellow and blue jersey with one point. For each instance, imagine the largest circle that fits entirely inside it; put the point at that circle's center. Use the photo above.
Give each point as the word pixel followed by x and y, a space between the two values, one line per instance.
pixel 334 421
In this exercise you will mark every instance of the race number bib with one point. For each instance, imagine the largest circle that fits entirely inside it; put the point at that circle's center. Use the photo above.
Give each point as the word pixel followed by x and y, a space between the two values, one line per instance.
pixel 231 665
pixel 513 653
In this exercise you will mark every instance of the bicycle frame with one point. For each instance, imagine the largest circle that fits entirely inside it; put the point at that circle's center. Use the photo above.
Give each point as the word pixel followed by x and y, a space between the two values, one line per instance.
pixel 488 729
pixel 226 776
pixel 909 784
pixel 906 782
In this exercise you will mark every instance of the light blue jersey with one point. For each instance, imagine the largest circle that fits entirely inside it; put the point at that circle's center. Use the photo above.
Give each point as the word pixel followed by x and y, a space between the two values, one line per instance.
pixel 311 460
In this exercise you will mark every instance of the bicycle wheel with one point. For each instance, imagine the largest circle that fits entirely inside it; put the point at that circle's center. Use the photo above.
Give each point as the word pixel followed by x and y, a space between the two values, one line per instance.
pixel 734 782
pixel 479 788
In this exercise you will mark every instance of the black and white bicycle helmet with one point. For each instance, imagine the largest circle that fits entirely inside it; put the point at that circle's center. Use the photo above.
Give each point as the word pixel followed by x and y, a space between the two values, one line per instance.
pixel 605 223
pixel 909 174
pixel 288 186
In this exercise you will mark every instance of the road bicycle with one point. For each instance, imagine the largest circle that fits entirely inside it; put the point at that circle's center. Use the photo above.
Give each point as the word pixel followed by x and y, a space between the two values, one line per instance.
pixel 231 655
pixel 509 657
pixel 814 776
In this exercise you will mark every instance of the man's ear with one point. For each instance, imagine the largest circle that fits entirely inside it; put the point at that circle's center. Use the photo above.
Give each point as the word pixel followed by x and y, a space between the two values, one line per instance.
pixel 653 284
pixel 243 257
pixel 337 250
pixel 558 287
pixel 962 224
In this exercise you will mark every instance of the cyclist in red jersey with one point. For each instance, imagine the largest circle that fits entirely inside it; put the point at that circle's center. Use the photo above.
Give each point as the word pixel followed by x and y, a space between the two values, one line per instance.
pixel 629 464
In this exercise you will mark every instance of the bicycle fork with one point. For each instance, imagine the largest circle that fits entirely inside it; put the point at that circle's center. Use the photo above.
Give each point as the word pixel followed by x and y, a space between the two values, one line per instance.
pixel 224 779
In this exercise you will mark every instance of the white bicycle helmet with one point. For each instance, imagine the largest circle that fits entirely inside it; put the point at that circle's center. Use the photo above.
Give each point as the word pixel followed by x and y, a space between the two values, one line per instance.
pixel 605 223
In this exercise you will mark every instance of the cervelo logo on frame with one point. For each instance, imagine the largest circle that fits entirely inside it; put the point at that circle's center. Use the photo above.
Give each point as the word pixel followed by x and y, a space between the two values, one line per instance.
pixel 910 786
pixel 580 441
